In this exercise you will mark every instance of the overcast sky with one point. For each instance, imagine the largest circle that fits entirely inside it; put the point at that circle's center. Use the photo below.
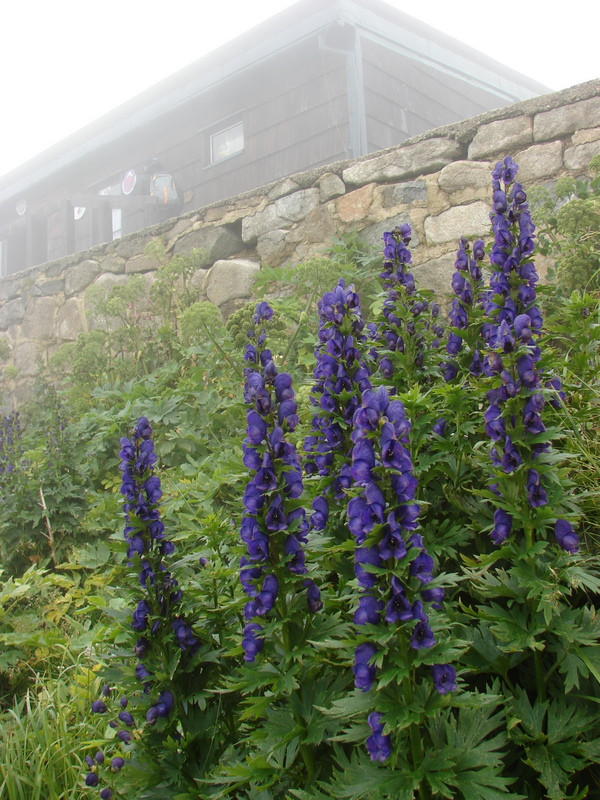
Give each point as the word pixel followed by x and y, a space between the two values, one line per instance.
pixel 65 63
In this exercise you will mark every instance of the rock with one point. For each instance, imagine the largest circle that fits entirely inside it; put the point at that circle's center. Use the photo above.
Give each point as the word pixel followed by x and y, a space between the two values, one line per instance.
pixel 272 247
pixel 420 158
pixel 405 193
pixel 26 359
pixel 501 136
pixel 213 243
pixel 465 175
pixel 539 162
pixel 39 319
pixel 355 206
pixel 281 188
pixel 261 223
pixel 229 280
pixel 70 321
pixel 566 119
pixel 11 313
pixel 141 263
pixel 80 276
pixel 330 186
pixel 578 158
pixel 295 207
pixel 468 220
pixel 436 274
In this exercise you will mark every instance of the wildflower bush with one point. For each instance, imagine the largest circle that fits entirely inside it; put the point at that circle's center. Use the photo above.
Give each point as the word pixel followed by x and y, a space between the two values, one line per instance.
pixel 367 573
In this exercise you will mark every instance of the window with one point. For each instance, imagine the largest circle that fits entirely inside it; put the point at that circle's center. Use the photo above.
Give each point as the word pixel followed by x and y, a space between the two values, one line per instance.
pixel 117 223
pixel 227 143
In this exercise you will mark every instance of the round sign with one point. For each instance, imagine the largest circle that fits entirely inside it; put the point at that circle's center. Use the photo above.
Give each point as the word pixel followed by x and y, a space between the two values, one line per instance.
pixel 128 182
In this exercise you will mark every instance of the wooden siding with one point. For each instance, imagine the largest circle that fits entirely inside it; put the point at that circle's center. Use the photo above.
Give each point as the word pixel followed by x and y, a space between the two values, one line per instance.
pixel 404 98
pixel 294 112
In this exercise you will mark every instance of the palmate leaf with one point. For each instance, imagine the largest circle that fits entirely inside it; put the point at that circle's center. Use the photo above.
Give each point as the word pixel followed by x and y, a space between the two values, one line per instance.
pixel 466 760
pixel 513 628
pixel 566 721
pixel 313 794
pixel 555 767
pixel 549 734
pixel 358 778
pixel 350 706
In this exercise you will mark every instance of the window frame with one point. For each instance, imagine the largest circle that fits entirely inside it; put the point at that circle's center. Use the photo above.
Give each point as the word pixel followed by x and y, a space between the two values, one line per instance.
pixel 216 159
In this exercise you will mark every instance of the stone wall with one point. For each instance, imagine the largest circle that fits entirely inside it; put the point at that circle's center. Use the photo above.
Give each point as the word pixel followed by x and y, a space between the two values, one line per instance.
pixel 438 181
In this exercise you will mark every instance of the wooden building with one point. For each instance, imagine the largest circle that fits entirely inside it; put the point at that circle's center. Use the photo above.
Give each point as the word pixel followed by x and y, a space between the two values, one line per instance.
pixel 322 81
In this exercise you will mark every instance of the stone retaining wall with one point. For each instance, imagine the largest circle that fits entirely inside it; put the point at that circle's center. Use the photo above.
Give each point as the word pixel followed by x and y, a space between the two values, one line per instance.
pixel 439 182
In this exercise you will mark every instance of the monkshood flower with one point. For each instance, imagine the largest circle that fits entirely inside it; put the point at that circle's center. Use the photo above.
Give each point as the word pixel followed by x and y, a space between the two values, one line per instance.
pixel 467 285
pixel 11 449
pixel 513 418
pixel 147 542
pixel 392 566
pixel 341 375
pixel 408 315
pixel 383 519
pixel 566 536
pixel 274 526
pixel 378 743
pixel 444 678
pixel 156 616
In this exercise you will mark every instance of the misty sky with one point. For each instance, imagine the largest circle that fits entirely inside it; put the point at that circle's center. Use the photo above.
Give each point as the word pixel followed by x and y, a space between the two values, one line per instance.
pixel 66 63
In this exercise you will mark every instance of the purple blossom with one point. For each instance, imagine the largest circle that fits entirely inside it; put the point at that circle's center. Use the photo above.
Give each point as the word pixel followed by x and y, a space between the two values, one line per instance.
pixel 378 744
pixel 398 608
pixel 566 536
pixel 364 671
pixel 536 494
pixel 366 556
pixel 444 678
pixel 422 636
pixel 368 611
pixel 252 641
pixel 313 597
pixel 502 526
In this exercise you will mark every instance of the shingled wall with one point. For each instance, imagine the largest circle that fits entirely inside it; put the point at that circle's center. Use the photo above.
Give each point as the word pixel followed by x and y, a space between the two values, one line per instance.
pixel 439 182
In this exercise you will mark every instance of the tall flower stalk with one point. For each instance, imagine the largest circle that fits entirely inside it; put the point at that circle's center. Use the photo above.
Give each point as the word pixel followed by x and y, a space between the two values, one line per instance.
pixel 274 526
pixel 341 375
pixel 463 342
pixel 522 471
pixel 392 566
pixel 410 331
pixel 161 627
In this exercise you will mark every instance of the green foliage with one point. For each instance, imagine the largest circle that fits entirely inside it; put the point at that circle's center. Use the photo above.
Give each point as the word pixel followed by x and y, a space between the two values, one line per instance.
pixel 40 488
pixel 519 622
pixel 569 220
pixel 44 736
